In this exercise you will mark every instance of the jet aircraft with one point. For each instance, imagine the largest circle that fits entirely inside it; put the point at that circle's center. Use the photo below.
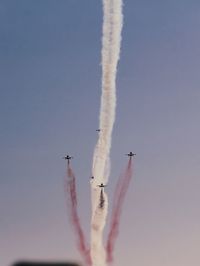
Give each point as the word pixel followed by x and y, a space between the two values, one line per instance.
pixel 68 158
pixel 130 154
pixel 102 185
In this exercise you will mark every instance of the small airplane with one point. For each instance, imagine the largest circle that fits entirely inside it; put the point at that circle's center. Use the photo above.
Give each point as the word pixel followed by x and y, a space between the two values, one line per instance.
pixel 130 154
pixel 98 130
pixel 102 185
pixel 68 158
pixel 92 177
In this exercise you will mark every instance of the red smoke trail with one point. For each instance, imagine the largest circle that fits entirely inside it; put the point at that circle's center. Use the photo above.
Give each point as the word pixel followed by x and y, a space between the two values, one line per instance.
pixel 119 196
pixel 70 189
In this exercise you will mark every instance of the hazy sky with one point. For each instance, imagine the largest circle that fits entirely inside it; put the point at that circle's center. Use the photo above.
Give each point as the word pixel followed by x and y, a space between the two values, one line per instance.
pixel 50 87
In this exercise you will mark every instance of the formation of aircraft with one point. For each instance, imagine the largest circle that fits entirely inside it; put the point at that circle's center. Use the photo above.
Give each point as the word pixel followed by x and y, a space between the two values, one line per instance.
pixel 68 158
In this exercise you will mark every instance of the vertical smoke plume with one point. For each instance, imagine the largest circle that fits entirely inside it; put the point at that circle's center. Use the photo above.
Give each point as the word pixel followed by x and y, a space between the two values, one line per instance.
pixel 119 196
pixel 112 26
pixel 111 40
pixel 98 222
pixel 70 189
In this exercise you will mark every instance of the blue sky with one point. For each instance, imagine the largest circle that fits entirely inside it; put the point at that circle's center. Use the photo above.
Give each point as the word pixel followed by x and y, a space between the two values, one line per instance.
pixel 50 81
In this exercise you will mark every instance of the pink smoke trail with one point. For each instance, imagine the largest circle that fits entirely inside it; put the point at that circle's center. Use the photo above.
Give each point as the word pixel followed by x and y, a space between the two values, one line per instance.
pixel 120 193
pixel 70 190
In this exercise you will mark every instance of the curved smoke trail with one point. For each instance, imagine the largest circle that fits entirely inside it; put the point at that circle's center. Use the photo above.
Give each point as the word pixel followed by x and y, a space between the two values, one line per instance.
pixel 111 40
pixel 119 196
pixel 70 190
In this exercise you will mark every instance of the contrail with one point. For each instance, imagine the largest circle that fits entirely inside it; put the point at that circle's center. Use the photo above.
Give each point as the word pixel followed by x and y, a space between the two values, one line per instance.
pixel 70 189
pixel 119 196
pixel 111 40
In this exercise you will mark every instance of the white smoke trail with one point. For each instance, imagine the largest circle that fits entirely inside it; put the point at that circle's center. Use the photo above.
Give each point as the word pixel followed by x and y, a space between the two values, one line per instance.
pixel 112 25
pixel 111 40
pixel 98 255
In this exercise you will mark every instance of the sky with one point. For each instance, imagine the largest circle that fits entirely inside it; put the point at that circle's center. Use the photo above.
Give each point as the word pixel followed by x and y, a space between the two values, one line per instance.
pixel 50 88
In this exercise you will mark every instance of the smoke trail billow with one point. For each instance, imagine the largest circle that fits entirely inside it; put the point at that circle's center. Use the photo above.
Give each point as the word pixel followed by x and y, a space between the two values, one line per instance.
pixel 70 190
pixel 119 196
pixel 111 40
